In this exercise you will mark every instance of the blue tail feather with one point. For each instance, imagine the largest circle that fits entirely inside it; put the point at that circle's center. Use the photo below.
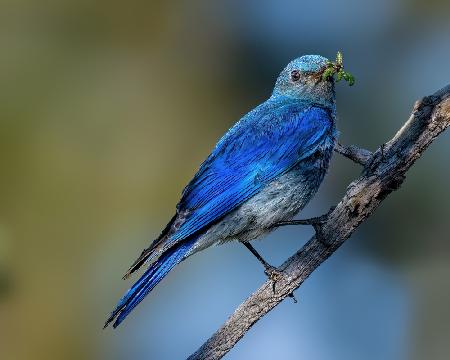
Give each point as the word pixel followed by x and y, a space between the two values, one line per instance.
pixel 155 273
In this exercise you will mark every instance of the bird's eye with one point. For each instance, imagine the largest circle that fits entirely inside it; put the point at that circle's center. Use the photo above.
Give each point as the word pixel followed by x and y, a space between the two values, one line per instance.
pixel 295 75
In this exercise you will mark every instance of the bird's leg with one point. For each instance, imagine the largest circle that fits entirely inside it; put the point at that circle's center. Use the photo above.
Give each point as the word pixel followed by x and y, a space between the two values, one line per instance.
pixel 315 222
pixel 272 272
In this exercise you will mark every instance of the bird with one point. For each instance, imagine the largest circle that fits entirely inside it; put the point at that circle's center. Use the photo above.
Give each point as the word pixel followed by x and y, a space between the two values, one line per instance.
pixel 259 176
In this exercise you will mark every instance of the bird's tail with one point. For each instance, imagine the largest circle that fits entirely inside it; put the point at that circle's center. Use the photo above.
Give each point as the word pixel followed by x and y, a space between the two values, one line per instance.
pixel 148 281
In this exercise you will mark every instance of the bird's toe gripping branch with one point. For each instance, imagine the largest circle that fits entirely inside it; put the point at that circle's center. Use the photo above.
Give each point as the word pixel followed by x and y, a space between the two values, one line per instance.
pixel 273 273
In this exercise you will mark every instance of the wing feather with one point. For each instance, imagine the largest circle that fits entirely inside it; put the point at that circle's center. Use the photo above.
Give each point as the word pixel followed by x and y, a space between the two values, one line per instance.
pixel 250 155
pixel 246 160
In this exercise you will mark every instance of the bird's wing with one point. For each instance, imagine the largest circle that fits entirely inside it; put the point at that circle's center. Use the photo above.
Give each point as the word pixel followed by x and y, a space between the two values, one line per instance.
pixel 249 156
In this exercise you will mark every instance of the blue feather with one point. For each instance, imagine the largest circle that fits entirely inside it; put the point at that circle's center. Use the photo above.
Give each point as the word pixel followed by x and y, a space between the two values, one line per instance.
pixel 260 151
pixel 272 143
pixel 155 273
pixel 247 158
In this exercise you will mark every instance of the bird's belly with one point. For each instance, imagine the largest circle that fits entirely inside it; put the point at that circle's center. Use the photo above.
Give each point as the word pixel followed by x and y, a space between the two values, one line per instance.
pixel 278 201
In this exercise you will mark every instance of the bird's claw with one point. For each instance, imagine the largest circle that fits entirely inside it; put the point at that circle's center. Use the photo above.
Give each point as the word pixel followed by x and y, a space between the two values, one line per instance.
pixel 317 224
pixel 275 275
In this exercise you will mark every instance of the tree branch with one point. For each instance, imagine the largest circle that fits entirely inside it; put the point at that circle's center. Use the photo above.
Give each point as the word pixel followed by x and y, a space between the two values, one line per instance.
pixel 384 171
pixel 354 153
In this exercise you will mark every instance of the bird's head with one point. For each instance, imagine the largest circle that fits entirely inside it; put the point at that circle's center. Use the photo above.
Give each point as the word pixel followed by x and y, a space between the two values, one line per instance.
pixel 311 78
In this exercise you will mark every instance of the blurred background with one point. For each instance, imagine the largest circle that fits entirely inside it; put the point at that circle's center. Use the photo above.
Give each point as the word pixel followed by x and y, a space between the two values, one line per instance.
pixel 108 108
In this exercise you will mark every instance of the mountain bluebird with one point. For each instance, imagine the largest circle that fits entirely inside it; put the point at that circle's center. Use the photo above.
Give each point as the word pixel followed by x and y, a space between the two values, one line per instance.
pixel 261 173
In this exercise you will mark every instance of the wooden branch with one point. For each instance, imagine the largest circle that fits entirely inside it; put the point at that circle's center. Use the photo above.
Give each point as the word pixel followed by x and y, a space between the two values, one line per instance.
pixel 354 153
pixel 384 171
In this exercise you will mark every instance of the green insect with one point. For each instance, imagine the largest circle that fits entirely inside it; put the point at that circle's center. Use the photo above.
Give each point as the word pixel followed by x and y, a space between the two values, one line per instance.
pixel 337 68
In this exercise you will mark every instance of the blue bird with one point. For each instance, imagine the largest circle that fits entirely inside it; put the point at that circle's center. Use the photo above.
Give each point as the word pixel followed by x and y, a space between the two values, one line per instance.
pixel 261 173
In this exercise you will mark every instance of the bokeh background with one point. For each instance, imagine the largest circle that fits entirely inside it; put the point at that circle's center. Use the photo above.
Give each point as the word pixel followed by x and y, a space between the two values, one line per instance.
pixel 106 111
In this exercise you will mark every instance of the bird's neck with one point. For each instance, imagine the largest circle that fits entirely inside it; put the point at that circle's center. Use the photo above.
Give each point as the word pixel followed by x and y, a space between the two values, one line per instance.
pixel 327 102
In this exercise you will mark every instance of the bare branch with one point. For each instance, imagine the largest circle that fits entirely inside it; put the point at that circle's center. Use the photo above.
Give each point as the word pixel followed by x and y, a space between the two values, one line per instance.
pixel 354 153
pixel 384 172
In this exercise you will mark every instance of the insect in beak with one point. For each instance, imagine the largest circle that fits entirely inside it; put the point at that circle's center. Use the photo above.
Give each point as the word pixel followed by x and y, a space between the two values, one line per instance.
pixel 337 68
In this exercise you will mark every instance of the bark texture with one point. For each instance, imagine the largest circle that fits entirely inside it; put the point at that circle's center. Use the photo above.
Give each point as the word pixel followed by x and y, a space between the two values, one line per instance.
pixel 383 172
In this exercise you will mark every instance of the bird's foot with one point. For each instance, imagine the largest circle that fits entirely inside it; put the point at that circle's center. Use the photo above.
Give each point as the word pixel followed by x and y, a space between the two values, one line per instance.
pixel 271 272
pixel 275 275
